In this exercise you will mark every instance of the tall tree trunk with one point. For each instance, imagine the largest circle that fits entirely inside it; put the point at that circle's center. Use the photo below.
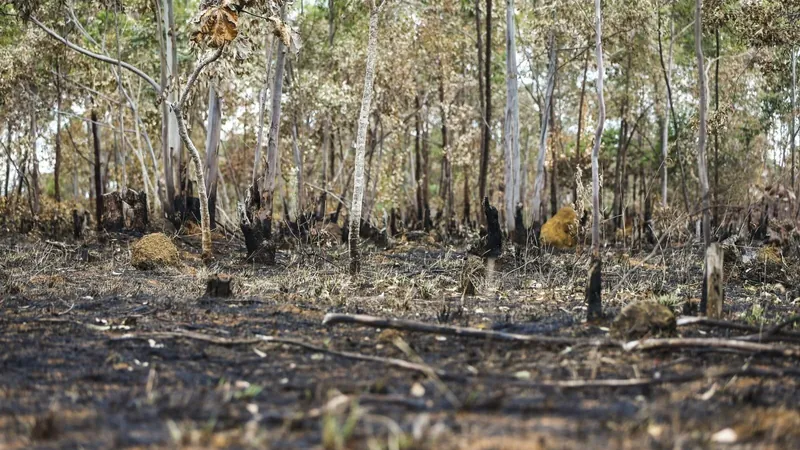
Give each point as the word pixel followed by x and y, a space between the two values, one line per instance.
pixel 98 182
pixel 447 179
pixel 34 159
pixel 702 128
pixel 554 161
pixel 57 166
pixel 665 119
pixel 512 156
pixel 794 110
pixel 593 291
pixel 268 192
pixel 666 69
pixel 622 148
pixel 8 159
pixel 363 123
pixel 171 47
pixel 538 184
pixel 162 23
pixel 418 162
pixel 213 128
pixel 487 109
pixel 298 163
pixel 578 148
pixel 262 103
pixel 716 129
pixel 121 134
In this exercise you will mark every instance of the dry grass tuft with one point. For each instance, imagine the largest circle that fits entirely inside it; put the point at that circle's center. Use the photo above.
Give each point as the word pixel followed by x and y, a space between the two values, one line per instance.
pixel 154 251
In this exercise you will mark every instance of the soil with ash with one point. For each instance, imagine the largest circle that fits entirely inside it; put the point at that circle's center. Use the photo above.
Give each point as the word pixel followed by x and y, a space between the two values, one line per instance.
pixel 87 361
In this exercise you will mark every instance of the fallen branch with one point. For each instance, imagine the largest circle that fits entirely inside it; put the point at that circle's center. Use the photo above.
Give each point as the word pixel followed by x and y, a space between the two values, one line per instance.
pixel 775 333
pixel 394 362
pixel 643 382
pixel 448 330
pixel 711 344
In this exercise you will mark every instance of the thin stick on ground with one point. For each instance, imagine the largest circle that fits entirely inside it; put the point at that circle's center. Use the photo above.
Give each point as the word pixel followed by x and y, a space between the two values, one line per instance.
pixel 448 330
pixel 393 362
pixel 711 344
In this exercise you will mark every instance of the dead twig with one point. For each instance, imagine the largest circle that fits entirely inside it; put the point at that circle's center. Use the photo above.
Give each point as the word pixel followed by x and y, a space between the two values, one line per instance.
pixel 711 344
pixel 393 362
pixel 448 330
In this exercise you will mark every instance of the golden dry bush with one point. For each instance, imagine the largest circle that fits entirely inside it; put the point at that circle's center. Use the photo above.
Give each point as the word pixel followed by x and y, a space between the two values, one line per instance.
pixel 154 251
pixel 561 230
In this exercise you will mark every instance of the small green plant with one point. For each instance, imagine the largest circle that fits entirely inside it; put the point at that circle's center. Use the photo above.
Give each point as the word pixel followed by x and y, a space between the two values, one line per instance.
pixel 336 435
pixel 671 301
pixel 755 316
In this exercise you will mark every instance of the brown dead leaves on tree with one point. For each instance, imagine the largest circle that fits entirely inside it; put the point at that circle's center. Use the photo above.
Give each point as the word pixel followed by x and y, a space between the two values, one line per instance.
pixel 217 25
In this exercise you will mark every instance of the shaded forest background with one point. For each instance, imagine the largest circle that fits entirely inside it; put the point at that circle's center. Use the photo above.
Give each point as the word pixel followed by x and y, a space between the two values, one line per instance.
pixel 437 138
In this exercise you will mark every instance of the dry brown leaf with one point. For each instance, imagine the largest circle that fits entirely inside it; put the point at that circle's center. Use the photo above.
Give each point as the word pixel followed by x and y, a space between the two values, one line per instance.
pixel 218 26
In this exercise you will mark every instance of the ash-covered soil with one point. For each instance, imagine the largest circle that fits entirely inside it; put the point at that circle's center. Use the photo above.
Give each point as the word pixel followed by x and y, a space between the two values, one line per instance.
pixel 87 359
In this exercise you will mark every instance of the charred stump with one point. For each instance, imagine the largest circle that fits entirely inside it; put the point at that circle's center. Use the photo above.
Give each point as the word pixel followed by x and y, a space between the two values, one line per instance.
pixel 81 222
pixel 593 290
pixel 713 290
pixel 256 224
pixel 219 286
pixel 520 237
pixel 494 236
pixel 124 211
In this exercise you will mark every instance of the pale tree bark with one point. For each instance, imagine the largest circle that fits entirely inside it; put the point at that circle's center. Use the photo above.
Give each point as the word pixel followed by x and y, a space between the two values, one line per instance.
pixel 538 184
pixel 274 127
pixel 171 48
pixel 177 108
pixel 794 109
pixel 512 157
pixel 213 128
pixel 361 137
pixel 593 291
pixel 298 163
pixel 665 119
pixel 702 127
pixel 166 154
pixel 34 158
pixel 262 103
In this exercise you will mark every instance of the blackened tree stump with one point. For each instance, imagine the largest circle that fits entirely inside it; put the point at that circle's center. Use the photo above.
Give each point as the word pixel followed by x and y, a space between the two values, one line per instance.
pixel 219 286
pixel 126 210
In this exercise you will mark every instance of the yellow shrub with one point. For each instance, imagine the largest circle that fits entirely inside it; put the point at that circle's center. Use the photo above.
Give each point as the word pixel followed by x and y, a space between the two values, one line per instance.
pixel 561 231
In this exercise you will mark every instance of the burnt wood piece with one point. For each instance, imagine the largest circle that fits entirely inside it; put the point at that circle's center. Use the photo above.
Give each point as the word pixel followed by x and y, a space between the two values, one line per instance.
pixel 219 286
pixel 124 211
pixel 256 225
pixel 494 236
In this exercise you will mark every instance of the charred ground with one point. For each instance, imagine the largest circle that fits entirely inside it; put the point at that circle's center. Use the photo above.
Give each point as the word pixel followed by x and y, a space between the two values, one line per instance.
pixel 85 360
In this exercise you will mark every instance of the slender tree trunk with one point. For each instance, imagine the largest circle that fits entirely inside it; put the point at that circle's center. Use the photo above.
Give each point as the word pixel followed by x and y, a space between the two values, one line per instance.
pixel 120 105
pixel 213 128
pixel 538 184
pixel 479 45
pixel 262 102
pixel 34 160
pixel 57 166
pixel 98 182
pixel 593 291
pixel 171 46
pixel 702 128
pixel 418 162
pixel 794 111
pixel 447 178
pixel 298 162
pixel 268 192
pixel 667 70
pixel 716 129
pixel 578 148
pixel 487 110
pixel 622 148
pixel 363 123
pixel 665 119
pixel 8 159
pixel 554 159
pixel 512 156
pixel 166 134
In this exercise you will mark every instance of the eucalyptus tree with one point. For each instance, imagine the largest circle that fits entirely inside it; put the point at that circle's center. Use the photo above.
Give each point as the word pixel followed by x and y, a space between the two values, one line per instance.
pixel 511 135
pixel 594 288
pixel 363 122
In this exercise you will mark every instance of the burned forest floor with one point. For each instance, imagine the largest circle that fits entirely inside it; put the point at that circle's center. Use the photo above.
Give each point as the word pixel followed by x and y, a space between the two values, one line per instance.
pixel 96 354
